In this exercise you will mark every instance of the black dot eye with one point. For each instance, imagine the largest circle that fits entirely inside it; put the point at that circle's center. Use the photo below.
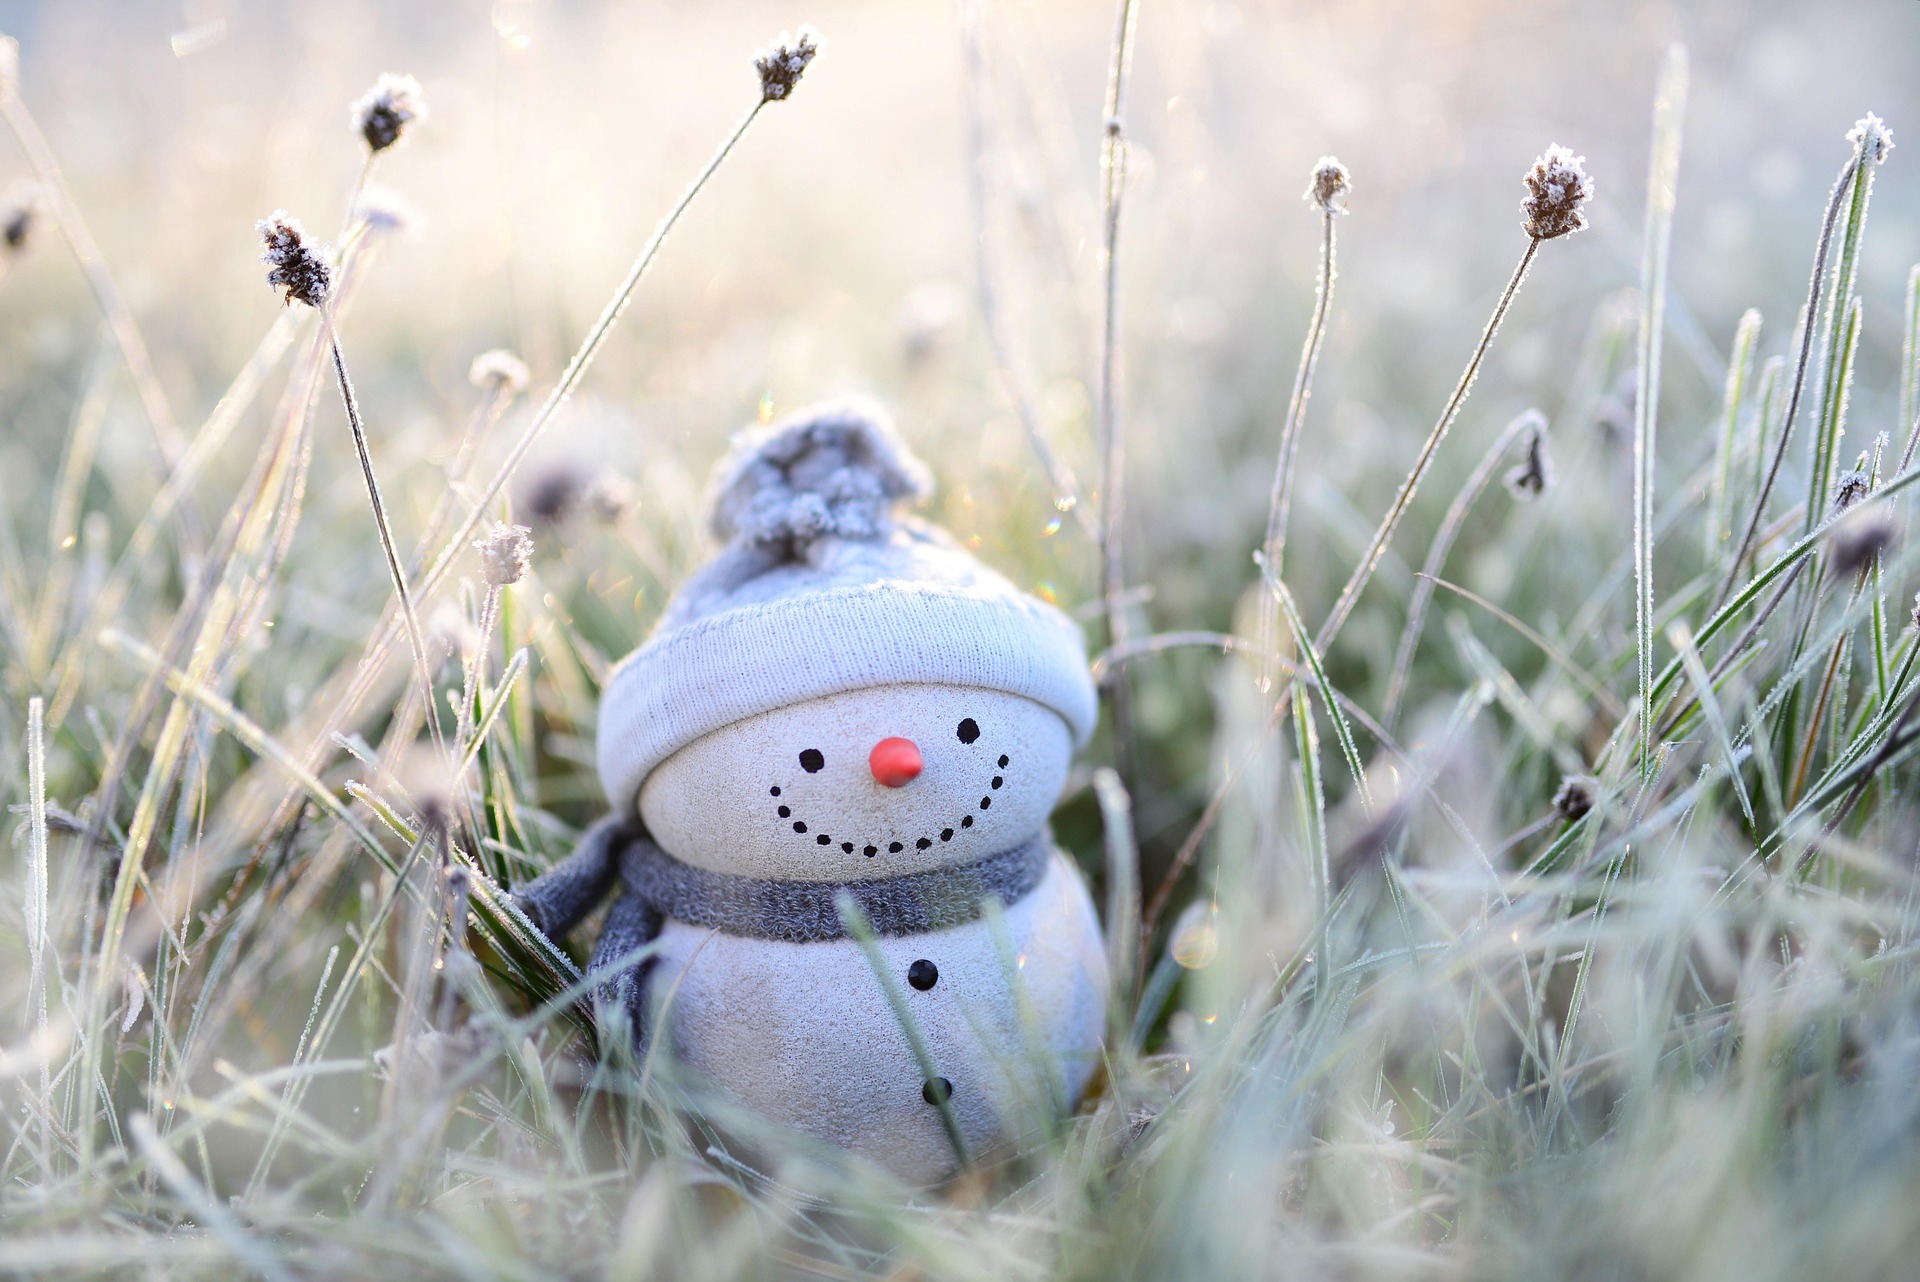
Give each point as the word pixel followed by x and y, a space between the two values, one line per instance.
pixel 923 974
pixel 969 730
pixel 938 1090
pixel 812 762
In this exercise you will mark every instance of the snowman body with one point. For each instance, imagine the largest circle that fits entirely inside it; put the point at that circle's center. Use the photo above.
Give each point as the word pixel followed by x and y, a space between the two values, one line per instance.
pixel 1010 1006
pixel 845 708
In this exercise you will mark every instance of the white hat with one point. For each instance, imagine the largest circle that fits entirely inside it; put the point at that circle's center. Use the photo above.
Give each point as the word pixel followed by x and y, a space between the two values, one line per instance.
pixel 822 587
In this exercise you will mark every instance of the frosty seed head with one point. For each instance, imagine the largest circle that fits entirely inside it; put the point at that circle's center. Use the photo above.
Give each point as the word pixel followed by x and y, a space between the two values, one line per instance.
pixel 505 555
pixel 382 113
pixel 1557 190
pixel 293 267
pixel 387 212
pixel 1575 797
pixel 1329 187
pixel 1857 542
pixel 781 63
pixel 499 371
pixel 1871 137
pixel 1852 487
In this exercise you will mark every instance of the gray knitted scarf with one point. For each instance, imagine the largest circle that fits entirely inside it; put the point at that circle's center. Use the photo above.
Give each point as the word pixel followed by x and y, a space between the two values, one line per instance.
pixel 805 912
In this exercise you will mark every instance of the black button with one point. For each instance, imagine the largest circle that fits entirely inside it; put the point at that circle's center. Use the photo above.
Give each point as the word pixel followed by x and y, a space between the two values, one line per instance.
pixel 923 974
pixel 938 1090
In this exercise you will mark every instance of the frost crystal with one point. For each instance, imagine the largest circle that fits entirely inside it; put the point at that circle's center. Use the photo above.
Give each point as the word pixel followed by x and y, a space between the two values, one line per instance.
pixel 383 113
pixel 1557 188
pixel 505 555
pixel 1872 133
pixel 781 63
pixel 293 266
pixel 1329 186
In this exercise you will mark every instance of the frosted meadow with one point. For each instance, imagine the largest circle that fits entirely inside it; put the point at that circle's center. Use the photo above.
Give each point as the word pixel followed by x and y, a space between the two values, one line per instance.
pixel 1496 568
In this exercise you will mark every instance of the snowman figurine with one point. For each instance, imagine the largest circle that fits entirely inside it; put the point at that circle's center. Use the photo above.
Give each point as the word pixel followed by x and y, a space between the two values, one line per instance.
pixel 844 706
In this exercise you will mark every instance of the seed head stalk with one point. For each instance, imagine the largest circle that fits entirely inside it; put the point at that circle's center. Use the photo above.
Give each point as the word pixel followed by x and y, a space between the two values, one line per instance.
pixel 1370 560
pixel 416 638
pixel 1113 165
pixel 576 369
pixel 1328 192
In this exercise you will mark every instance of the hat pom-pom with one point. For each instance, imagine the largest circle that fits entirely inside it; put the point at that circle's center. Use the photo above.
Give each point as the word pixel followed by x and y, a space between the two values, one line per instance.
pixel 835 470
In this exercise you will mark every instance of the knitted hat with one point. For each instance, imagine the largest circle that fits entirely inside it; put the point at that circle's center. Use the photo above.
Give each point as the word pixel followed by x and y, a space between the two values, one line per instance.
pixel 821 587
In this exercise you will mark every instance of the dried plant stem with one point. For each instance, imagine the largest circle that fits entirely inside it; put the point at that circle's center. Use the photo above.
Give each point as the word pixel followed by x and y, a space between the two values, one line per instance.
pixel 1280 505
pixel 1437 558
pixel 366 673
pixel 583 357
pixel 1019 395
pixel 1814 286
pixel 1113 166
pixel 1663 176
pixel 126 334
pixel 415 637
pixel 37 919
pixel 1370 561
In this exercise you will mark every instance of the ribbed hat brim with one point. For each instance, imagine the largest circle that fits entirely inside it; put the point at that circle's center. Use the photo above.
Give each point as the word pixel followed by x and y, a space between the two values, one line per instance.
pixel 739 663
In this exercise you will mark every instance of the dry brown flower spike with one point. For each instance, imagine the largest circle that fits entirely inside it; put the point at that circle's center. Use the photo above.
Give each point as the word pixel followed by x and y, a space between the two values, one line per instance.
pixel 293 266
pixel 1558 188
pixel 1575 797
pixel 780 64
pixel 383 113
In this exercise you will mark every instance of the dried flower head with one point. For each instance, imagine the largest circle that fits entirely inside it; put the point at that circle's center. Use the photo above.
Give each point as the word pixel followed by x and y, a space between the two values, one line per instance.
pixel 1329 187
pixel 498 370
pixel 293 266
pixel 1575 797
pixel 1853 487
pixel 505 555
pixel 1871 136
pixel 386 211
pixel 781 63
pixel 1557 190
pixel 20 218
pixel 1857 542
pixel 383 112
pixel 9 68
pixel 551 493
pixel 1532 476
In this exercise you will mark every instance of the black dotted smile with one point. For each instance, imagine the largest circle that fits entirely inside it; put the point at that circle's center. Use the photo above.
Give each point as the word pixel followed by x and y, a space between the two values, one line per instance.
pixel 813 761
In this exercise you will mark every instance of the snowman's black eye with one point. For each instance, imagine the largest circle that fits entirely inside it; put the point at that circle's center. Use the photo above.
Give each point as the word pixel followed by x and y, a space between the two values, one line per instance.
pixel 969 730
pixel 812 762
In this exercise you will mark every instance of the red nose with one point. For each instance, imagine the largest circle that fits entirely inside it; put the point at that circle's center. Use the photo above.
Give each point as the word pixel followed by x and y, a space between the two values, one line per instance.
pixel 894 762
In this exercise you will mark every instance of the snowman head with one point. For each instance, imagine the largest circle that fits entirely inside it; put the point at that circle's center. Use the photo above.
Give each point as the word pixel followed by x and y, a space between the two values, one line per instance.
pixel 843 691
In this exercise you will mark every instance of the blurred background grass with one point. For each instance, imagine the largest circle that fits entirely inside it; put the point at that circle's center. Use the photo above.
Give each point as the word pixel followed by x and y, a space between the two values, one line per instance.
pixel 836 252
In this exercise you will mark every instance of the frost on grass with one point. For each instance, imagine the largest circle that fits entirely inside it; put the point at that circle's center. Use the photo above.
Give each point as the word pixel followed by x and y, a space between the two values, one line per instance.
pixel 294 267
pixel 382 113
pixel 1329 187
pixel 1871 134
pixel 781 63
pixel 1558 189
